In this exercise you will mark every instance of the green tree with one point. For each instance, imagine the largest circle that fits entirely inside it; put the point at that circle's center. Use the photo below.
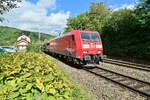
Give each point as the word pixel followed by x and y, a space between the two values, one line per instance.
pixel 119 33
pixel 92 20
pixel 143 13
pixel 6 5
pixel 80 22
pixel 98 15
pixel 127 32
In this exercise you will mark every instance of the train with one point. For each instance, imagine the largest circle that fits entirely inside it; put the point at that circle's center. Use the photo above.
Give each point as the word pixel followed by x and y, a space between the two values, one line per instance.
pixel 78 46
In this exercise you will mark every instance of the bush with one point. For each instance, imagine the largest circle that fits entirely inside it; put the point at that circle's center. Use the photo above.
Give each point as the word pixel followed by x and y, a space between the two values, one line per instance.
pixel 33 48
pixel 123 36
pixel 32 76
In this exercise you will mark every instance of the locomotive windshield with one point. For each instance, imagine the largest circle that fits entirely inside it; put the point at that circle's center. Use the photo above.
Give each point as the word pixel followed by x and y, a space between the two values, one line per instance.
pixel 95 37
pixel 85 36
pixel 90 37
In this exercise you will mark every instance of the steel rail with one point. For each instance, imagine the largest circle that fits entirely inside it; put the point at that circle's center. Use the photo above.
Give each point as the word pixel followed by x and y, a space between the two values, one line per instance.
pixel 107 74
pixel 128 65
pixel 128 62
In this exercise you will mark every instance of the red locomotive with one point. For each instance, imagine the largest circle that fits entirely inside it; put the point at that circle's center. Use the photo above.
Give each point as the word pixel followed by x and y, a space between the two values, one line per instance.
pixel 79 46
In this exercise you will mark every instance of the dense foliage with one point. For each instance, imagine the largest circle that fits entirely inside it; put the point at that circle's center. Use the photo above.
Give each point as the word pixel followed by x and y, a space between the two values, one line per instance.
pixel 33 76
pixel 8 36
pixel 125 32
pixel 33 48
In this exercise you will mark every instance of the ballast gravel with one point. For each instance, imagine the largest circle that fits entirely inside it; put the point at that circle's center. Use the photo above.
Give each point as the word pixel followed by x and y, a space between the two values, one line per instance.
pixel 136 73
pixel 98 88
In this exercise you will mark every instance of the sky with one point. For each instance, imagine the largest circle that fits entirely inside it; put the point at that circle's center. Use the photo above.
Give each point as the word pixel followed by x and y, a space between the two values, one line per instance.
pixel 50 16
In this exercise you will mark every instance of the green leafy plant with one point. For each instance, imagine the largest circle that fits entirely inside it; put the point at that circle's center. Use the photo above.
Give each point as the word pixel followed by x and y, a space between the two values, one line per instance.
pixel 33 48
pixel 32 76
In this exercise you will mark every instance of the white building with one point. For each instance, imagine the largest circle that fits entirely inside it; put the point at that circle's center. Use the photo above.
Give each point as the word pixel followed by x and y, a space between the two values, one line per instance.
pixel 22 42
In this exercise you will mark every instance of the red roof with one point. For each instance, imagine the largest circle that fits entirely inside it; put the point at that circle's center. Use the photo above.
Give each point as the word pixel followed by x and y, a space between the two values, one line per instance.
pixel 19 43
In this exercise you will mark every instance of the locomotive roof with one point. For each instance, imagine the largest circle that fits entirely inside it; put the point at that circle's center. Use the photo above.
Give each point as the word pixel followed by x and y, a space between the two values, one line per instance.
pixel 61 36
pixel 85 31
pixel 70 33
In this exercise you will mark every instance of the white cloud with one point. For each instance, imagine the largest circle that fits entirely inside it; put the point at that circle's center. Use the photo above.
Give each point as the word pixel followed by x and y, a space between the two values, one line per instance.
pixel 128 6
pixel 33 17
pixel 122 7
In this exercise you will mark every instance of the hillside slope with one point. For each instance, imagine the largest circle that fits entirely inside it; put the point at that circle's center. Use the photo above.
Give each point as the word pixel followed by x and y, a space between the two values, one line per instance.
pixel 9 35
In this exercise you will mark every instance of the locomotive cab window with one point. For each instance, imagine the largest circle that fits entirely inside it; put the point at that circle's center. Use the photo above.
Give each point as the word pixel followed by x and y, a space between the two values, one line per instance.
pixel 85 36
pixel 95 37
pixel 72 37
pixel 90 37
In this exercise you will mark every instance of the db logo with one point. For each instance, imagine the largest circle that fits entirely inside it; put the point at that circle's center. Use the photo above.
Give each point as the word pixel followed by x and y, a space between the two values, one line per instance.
pixel 92 46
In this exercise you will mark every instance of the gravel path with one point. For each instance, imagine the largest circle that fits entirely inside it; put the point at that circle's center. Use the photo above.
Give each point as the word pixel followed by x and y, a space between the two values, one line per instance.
pixel 96 87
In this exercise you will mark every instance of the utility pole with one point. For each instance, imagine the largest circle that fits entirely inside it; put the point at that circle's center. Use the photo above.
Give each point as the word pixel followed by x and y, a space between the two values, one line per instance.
pixel 59 32
pixel 39 38
pixel 39 34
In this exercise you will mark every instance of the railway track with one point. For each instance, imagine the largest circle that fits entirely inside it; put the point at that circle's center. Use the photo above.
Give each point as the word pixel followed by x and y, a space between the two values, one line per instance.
pixel 131 83
pixel 137 85
pixel 128 64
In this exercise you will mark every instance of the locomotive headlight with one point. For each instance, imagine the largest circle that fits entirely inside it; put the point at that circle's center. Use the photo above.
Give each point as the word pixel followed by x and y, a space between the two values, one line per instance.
pixel 86 46
pixel 98 46
pixel 85 51
pixel 99 51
